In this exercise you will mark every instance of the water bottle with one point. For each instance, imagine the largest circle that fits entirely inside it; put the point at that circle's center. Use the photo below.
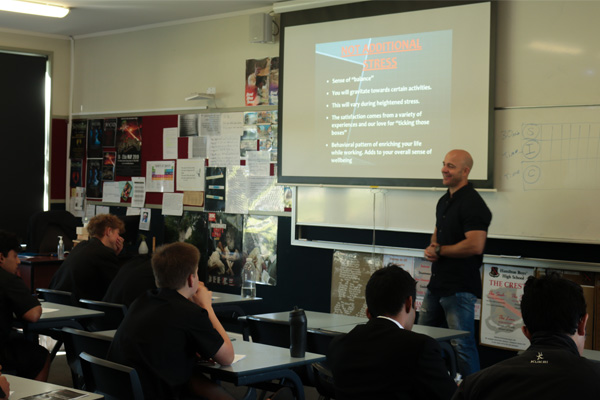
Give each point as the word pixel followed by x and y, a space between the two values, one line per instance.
pixel 297 332
pixel 248 280
pixel 60 250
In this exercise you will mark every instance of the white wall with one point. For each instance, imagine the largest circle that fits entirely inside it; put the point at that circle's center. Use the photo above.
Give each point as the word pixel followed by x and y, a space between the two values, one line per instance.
pixel 156 69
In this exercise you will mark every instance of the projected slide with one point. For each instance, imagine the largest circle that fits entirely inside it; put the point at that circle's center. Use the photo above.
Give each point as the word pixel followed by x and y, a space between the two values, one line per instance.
pixel 380 99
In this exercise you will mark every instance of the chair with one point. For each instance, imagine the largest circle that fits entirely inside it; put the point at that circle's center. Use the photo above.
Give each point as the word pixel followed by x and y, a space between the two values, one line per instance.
pixel 113 315
pixel 265 332
pixel 54 296
pixel 323 381
pixel 113 381
pixel 77 341
pixel 449 356
pixel 317 341
pixel 45 227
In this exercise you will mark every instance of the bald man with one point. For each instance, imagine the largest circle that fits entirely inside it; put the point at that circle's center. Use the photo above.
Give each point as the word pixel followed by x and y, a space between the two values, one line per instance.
pixel 456 253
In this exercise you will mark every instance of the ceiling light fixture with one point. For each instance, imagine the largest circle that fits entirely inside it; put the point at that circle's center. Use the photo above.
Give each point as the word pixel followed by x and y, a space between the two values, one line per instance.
pixel 27 7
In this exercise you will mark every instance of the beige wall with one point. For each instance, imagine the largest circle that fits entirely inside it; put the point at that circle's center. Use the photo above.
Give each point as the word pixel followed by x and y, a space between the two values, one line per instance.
pixel 156 69
pixel 59 51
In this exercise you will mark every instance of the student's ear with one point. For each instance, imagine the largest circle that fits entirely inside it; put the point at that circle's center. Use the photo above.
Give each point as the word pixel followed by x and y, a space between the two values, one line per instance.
pixel 190 280
pixel 408 304
pixel 526 332
pixel 582 324
pixel 369 314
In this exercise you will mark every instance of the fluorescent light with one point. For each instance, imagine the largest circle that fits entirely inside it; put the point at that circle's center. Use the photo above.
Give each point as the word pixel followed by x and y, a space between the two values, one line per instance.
pixel 27 7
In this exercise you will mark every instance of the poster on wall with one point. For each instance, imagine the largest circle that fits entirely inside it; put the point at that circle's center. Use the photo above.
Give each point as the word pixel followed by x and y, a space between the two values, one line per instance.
pixel 129 146
pixel 108 165
pixel 260 244
pixel 110 132
pixel 93 183
pixel 95 135
pixel 215 188
pixel 274 82
pixel 225 248
pixel 76 173
pixel 78 135
pixel 501 319
pixel 257 82
pixel 160 176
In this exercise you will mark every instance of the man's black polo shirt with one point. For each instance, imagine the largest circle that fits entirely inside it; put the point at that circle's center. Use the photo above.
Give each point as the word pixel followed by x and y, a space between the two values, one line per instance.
pixel 463 212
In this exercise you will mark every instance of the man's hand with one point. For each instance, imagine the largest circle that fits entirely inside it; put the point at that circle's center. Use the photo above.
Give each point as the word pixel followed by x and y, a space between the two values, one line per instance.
pixel 119 245
pixel 5 386
pixel 203 296
pixel 430 252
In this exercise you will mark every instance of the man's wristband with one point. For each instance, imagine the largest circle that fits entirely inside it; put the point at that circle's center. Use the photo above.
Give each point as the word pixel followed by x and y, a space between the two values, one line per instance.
pixel 437 250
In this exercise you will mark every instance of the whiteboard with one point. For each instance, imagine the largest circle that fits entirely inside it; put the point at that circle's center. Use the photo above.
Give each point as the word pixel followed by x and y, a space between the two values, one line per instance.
pixel 547 178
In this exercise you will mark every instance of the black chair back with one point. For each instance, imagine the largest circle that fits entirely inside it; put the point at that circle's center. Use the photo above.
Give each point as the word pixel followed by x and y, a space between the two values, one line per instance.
pixel 266 332
pixel 45 227
pixel 113 315
pixel 77 341
pixel 113 381
pixel 55 296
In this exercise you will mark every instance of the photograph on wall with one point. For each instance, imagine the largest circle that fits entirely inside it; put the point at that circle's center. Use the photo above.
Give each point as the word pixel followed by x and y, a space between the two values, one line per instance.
pixel 501 318
pixel 274 82
pixel 257 82
pixel 93 183
pixel 78 135
pixel 76 173
pixel 95 135
pixel 215 188
pixel 226 258
pixel 110 132
pixel 188 125
pixel 250 118
pixel 260 245
pixel 108 165
pixel 129 146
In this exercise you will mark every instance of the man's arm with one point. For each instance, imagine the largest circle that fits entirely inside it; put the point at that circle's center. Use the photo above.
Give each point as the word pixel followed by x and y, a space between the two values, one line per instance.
pixel 430 250
pixel 472 245
pixel 33 314
pixel 225 354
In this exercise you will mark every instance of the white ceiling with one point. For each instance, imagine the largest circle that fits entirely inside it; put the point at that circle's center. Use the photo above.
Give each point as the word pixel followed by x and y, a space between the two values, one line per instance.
pixel 95 16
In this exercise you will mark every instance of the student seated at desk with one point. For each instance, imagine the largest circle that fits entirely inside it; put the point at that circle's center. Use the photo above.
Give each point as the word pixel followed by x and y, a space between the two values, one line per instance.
pixel 133 279
pixel 383 359
pixel 166 329
pixel 27 359
pixel 92 264
pixel 555 316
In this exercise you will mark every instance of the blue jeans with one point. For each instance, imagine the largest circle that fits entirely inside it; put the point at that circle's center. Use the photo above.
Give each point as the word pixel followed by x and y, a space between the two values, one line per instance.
pixel 454 312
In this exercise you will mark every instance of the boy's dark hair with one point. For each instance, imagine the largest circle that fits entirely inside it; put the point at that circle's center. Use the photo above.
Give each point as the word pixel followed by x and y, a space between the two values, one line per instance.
pixel 387 290
pixel 9 241
pixel 173 263
pixel 553 304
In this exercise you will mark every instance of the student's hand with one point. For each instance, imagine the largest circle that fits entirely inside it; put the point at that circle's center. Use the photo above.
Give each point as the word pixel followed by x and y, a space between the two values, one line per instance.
pixel 430 252
pixel 203 296
pixel 119 245
pixel 5 386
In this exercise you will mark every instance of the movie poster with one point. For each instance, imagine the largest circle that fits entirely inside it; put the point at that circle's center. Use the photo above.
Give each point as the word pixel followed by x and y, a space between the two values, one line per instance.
pixel 226 258
pixel 129 146
pixel 110 132
pixel 76 173
pixel 95 134
pixel 94 178
pixel 257 82
pixel 78 135
pixel 108 166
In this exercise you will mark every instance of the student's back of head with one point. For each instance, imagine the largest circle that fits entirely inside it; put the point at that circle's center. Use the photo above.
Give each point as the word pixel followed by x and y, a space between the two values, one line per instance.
pixel 173 263
pixel 387 291
pixel 552 304
pixel 9 241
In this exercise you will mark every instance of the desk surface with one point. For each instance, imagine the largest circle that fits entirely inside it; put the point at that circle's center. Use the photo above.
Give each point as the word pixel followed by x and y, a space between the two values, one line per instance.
pixel 219 298
pixel 40 259
pixel 345 323
pixel 22 387
pixel 54 311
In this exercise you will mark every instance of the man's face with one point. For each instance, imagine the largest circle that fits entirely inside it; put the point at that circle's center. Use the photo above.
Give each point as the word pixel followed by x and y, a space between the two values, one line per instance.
pixel 113 238
pixel 453 170
pixel 10 263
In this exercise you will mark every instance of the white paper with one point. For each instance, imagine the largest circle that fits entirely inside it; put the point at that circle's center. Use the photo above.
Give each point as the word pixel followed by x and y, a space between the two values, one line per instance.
pixel 146 216
pixel 259 163
pixel 198 147
pixel 264 194
pixel 236 190
pixel 232 123
pixel 406 263
pixel 224 151
pixel 90 210
pixel 138 196
pixel 160 176
pixel 170 143
pixel 111 192
pixel 190 175
pixel 210 124
pixel 102 210
pixel 172 204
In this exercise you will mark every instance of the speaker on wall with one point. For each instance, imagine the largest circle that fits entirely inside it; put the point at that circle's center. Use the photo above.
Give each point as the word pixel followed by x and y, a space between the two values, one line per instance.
pixel 261 30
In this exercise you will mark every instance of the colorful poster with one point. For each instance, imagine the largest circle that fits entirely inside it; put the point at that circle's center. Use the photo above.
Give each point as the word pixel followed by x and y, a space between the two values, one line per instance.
pixel 215 188
pixel 78 135
pixel 129 146
pixel 260 244
pixel 76 173
pixel 225 248
pixel 110 132
pixel 108 165
pixel 274 82
pixel 257 82
pixel 93 182
pixel 501 319
pixel 95 135
pixel 160 176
